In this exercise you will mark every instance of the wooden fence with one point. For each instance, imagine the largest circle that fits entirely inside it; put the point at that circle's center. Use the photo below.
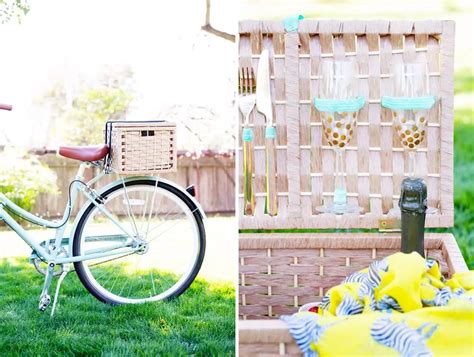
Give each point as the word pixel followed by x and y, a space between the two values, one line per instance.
pixel 212 175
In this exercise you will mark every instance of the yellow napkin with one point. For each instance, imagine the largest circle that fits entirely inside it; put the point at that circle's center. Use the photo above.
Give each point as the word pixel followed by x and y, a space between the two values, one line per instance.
pixel 399 306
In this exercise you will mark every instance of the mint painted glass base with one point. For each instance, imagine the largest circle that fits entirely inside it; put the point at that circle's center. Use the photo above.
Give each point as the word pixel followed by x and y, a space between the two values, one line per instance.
pixel 340 204
pixel 346 208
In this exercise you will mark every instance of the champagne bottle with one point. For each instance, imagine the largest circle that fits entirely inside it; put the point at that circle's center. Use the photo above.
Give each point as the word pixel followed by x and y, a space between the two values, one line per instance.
pixel 413 204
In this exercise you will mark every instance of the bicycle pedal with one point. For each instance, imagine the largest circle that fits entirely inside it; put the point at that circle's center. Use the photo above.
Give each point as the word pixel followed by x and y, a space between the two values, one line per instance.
pixel 44 302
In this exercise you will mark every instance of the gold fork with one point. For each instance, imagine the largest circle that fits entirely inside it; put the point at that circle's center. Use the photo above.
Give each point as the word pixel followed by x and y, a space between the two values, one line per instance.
pixel 247 99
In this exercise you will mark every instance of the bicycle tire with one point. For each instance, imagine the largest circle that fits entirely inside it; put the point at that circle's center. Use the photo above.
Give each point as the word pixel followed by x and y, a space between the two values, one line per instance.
pixel 81 269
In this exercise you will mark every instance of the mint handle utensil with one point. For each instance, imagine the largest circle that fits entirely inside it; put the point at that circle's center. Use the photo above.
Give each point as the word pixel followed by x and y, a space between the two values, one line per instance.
pixel 264 106
pixel 249 196
pixel 271 202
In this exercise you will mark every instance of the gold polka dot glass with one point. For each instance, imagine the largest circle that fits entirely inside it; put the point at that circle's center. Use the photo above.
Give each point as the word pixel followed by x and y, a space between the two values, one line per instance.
pixel 410 80
pixel 409 109
pixel 338 82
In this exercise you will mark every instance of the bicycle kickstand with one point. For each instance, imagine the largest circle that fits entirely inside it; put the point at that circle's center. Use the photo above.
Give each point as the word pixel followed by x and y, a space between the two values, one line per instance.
pixel 66 269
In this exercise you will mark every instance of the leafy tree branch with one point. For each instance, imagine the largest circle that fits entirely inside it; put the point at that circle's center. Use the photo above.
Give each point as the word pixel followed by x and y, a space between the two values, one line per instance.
pixel 208 27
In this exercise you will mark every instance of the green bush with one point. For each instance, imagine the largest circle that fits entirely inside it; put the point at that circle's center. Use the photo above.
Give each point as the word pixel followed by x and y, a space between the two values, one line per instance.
pixel 13 10
pixel 23 177
pixel 90 112
pixel 464 81
pixel 79 118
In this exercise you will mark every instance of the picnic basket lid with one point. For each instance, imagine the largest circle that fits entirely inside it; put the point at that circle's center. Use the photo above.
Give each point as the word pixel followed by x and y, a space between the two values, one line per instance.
pixel 375 161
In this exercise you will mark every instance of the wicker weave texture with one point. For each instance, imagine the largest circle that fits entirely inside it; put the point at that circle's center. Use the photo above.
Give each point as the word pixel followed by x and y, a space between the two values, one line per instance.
pixel 143 148
pixel 375 161
pixel 266 338
pixel 280 272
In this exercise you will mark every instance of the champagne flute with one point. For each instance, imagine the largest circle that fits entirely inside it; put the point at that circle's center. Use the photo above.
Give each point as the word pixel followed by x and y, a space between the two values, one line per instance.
pixel 409 106
pixel 410 80
pixel 339 107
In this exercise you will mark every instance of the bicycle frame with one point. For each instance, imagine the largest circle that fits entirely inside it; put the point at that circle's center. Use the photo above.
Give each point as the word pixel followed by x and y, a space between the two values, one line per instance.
pixel 51 255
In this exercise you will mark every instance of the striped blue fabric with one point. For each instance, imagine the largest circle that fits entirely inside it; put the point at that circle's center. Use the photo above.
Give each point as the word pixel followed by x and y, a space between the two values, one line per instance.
pixel 357 277
pixel 366 291
pixel 443 296
pixel 305 329
pixel 372 281
pixel 375 268
pixel 388 303
pixel 402 338
pixel 349 306
pixel 430 263
pixel 325 301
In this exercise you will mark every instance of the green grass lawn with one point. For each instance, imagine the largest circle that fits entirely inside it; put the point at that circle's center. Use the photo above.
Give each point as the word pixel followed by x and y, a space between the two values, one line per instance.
pixel 200 322
pixel 464 183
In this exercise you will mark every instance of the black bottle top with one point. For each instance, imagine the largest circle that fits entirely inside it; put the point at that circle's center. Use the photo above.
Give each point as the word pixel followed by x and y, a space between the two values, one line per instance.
pixel 413 198
pixel 413 204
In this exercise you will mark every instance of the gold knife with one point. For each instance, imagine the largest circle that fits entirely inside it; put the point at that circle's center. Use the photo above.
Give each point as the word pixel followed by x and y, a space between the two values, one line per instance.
pixel 264 106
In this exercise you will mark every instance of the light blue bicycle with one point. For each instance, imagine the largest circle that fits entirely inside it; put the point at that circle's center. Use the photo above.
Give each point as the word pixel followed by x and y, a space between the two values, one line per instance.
pixel 138 239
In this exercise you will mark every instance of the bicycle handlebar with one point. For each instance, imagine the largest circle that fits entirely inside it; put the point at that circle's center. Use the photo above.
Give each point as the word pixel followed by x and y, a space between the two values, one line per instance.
pixel 6 106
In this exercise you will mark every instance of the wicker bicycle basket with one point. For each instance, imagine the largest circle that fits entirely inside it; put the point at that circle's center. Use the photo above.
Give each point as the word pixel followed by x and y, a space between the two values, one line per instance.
pixel 145 147
pixel 279 272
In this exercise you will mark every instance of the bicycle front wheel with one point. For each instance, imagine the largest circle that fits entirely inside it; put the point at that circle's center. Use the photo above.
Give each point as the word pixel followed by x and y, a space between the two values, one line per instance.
pixel 166 226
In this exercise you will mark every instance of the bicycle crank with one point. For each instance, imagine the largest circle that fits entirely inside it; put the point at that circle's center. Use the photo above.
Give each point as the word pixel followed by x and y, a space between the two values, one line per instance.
pixel 37 262
pixel 41 266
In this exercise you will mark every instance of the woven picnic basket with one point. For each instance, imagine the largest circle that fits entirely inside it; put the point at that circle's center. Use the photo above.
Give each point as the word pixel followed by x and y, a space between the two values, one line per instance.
pixel 279 272
pixel 141 147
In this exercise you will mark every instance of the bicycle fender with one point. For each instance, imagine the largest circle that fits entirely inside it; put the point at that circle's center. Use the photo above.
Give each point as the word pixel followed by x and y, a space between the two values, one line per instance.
pixel 129 179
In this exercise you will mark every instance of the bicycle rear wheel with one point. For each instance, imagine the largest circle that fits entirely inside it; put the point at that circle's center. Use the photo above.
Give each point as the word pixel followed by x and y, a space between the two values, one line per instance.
pixel 169 230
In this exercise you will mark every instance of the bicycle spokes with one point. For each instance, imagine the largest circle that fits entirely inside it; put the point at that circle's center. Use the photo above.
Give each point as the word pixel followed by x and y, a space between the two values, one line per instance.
pixel 164 250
